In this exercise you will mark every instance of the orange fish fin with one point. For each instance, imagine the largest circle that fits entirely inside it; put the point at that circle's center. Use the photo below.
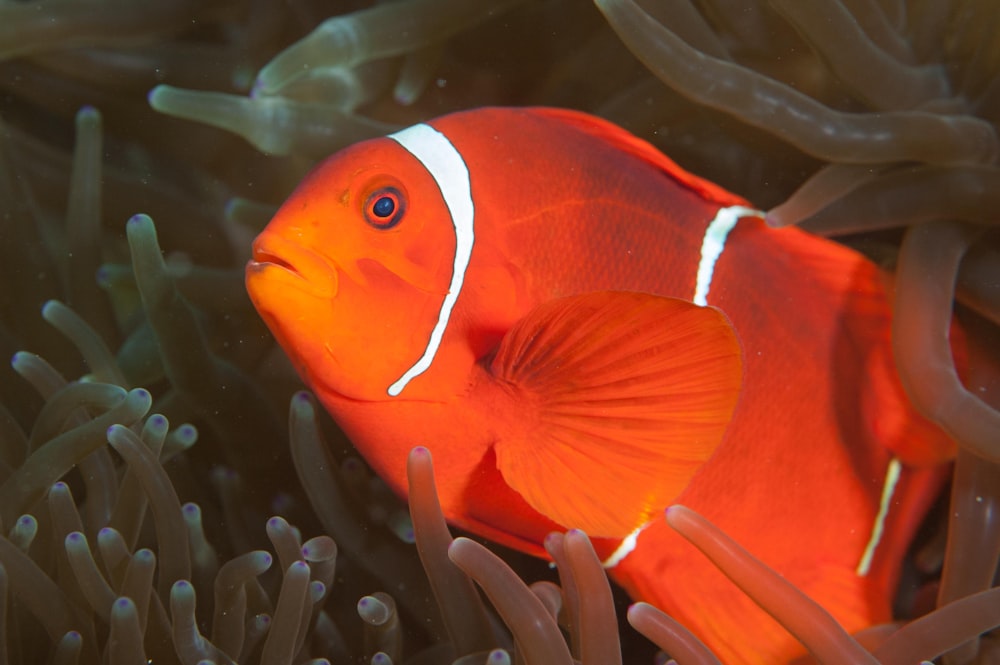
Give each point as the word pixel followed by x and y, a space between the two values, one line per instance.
pixel 616 399
pixel 886 410
pixel 915 440
pixel 637 147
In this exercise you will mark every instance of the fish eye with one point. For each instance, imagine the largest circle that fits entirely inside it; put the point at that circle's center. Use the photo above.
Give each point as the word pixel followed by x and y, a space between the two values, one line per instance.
pixel 384 208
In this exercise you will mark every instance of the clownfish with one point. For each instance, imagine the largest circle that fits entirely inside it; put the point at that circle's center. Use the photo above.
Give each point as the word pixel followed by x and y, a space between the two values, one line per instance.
pixel 583 334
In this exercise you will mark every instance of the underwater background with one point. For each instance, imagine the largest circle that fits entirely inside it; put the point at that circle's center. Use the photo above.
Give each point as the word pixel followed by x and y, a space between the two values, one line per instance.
pixel 165 493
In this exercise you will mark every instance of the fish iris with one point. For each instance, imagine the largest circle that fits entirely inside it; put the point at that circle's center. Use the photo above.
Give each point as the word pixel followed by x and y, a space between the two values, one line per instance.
pixel 384 208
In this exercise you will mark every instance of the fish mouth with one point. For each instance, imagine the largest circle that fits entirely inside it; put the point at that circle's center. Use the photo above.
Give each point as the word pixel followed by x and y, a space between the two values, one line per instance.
pixel 264 256
pixel 307 269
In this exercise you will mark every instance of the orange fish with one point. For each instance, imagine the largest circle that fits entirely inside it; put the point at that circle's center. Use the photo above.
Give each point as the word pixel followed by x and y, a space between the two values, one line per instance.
pixel 584 334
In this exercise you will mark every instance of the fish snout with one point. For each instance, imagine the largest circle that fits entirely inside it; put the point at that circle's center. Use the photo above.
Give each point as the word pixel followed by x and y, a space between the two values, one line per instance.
pixel 298 266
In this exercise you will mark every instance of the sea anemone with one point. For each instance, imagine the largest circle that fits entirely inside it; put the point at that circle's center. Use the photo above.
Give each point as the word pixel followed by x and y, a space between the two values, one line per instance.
pixel 873 121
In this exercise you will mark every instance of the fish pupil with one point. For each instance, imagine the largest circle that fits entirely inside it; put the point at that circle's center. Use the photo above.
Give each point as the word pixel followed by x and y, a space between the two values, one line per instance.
pixel 384 207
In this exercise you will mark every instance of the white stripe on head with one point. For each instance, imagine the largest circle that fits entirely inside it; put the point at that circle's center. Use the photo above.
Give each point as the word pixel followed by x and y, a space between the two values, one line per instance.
pixel 712 245
pixel 446 166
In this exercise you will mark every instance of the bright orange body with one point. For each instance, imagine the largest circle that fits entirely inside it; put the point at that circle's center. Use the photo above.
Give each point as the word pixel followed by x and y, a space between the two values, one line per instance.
pixel 564 206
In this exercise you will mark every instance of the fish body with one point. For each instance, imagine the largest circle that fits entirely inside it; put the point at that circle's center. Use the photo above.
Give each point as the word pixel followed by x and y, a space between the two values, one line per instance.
pixel 584 334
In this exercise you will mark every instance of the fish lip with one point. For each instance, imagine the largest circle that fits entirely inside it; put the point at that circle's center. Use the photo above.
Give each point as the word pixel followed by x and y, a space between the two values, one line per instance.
pixel 312 271
pixel 264 257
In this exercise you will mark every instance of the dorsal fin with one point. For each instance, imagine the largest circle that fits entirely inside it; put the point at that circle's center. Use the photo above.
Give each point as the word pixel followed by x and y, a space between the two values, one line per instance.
pixel 637 147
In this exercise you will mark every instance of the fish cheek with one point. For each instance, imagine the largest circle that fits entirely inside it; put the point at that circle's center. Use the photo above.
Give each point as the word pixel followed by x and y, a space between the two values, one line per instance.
pixel 416 253
pixel 380 328
pixel 429 267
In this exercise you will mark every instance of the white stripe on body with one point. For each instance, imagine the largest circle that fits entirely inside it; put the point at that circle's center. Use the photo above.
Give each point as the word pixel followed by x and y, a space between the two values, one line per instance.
pixel 446 166
pixel 624 548
pixel 712 245
pixel 878 527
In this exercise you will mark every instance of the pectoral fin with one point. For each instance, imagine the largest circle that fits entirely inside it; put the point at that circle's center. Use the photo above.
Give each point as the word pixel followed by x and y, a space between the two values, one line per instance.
pixel 620 397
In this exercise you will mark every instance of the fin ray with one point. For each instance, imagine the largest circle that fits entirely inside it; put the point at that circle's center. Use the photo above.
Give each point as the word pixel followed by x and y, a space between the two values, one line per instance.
pixel 622 397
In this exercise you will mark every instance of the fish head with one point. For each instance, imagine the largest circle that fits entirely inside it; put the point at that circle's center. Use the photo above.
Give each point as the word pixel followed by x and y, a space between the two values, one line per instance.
pixel 351 273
